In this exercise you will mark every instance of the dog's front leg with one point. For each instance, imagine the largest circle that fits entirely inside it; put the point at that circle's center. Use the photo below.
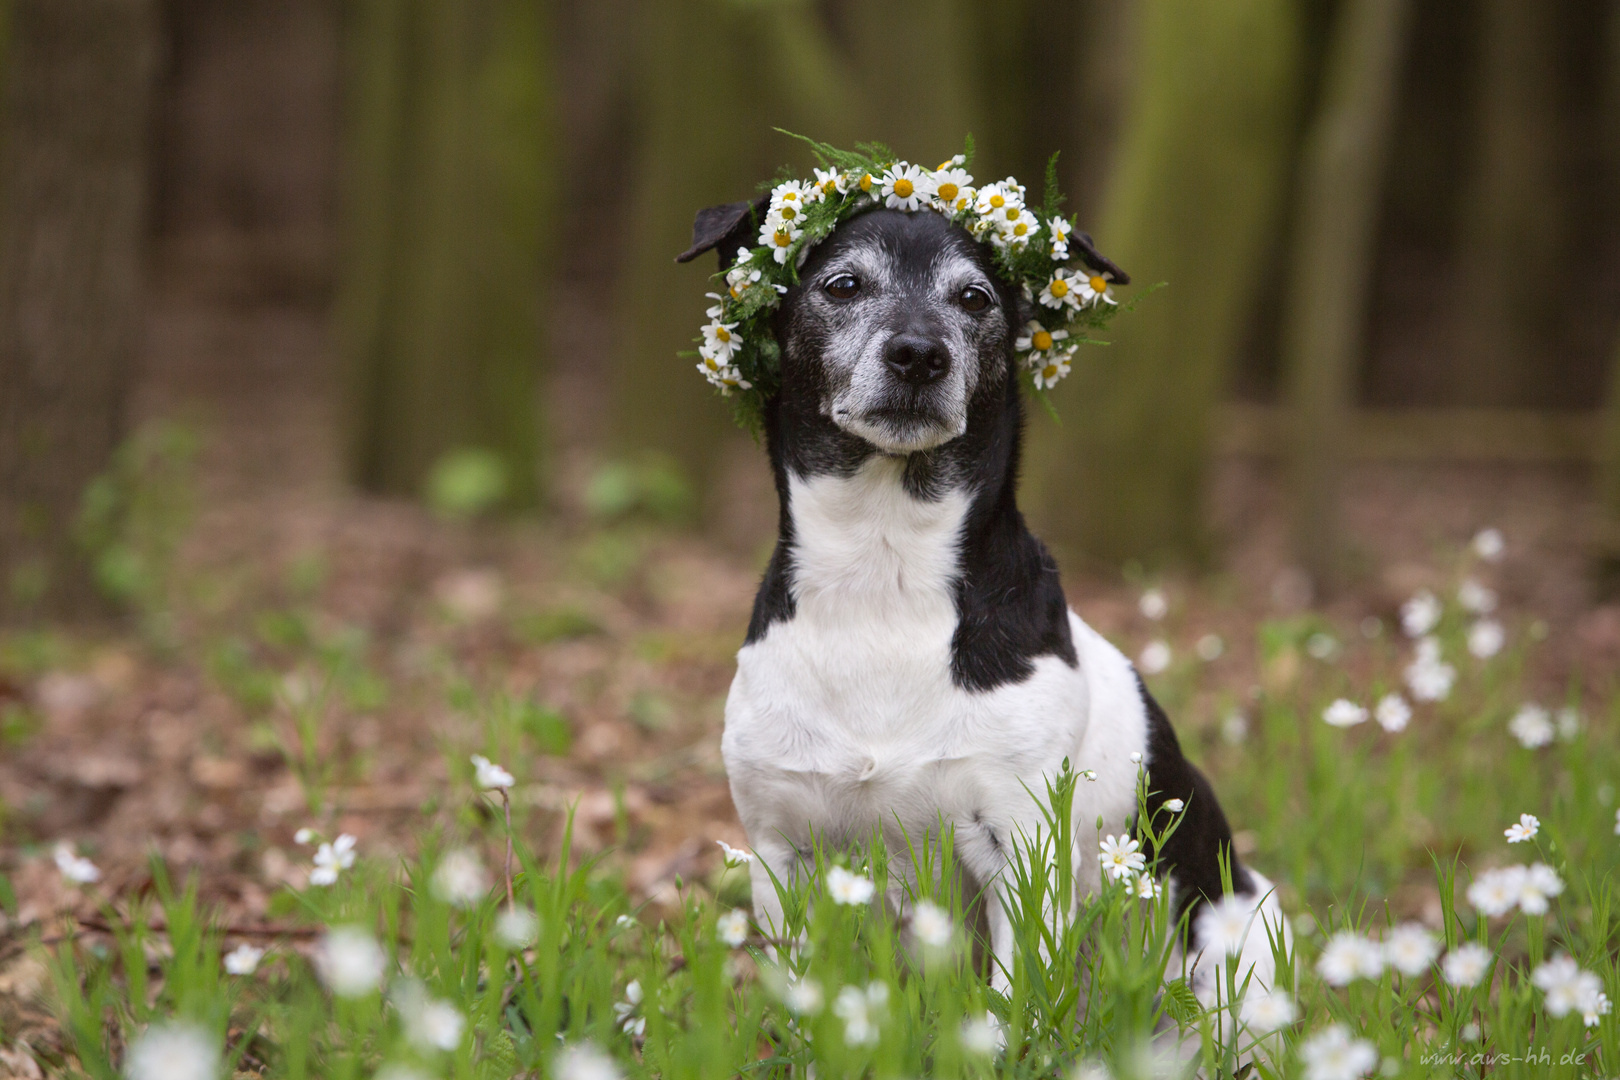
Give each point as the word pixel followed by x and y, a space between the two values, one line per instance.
pixel 773 855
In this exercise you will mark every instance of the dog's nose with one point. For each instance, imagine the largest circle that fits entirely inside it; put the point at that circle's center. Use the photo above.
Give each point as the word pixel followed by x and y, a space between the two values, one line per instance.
pixel 917 360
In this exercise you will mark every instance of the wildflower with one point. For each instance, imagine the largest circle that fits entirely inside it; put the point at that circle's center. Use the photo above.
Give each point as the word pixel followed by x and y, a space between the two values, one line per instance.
pixel 304 835
pixel 1037 339
pixel 779 235
pixel 177 1050
pixel 951 188
pixel 1540 884
pixel 732 928
pixel 1136 757
pixel 1334 1055
pixel 1348 957
pixel 1410 949
pixel 1475 598
pixel 1175 806
pixel 742 275
pixel 624 922
pixel 1121 857
pixel 243 960
pixel 856 1008
pixel 1594 1008
pixel 1429 677
pixel 624 1012
pixel 1146 887
pixel 1420 614
pixel 1054 371
pixel 459 879
pixel 995 199
pixel 434 1025
pixel 847 888
pixel 1495 892
pixel 1570 989
pixel 1344 713
pixel 331 859
pixel 1265 1012
pixel 1466 964
pixel 787 200
pixel 1059 230
pixel 931 924
pixel 76 868
pixel 1486 638
pixel 722 343
pixel 1015 228
pixel 1223 926
pixel 1525 830
pixel 830 182
pixel 585 1061
pixel 1153 605
pixel 1489 545
pixel 1089 774
pixel 1235 728
pixel 1155 657
pixel 1062 291
pixel 1532 726
pixel 516 927
pixel 1210 647
pixel 1569 723
pixel 1392 713
pixel 903 187
pixel 983 1037
pixel 803 997
pixel 734 856
pixel 351 961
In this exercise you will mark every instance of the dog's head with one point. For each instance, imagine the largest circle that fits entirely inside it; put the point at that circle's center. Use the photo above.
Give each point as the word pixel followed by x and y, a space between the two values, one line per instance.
pixel 898 321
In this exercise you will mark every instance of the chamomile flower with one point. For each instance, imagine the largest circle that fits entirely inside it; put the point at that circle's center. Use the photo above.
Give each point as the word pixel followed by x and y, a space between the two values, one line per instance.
pixel 1093 287
pixel 1524 831
pixel 787 200
pixel 995 199
pixel 1059 230
pixel 1348 957
pixel 1392 713
pixel 1054 371
pixel 742 275
pixel 904 187
pixel 1037 340
pixel 779 235
pixel 1121 857
pixel 722 342
pixel 951 188
pixel 1466 964
pixel 1062 292
pixel 830 182
pixel 847 888
pixel 1015 228
pixel 1410 949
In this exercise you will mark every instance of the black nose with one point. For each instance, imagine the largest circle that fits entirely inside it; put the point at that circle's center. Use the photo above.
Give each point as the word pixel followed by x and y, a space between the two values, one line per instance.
pixel 917 360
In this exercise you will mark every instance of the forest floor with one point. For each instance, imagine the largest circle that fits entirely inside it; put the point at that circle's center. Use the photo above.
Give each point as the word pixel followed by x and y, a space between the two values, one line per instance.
pixel 319 653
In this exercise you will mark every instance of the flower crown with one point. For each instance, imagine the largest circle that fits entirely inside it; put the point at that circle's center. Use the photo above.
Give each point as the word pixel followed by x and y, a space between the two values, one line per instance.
pixel 1032 250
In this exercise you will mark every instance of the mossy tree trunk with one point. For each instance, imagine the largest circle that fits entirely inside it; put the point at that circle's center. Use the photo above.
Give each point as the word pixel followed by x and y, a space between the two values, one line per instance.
pixel 1194 199
pixel 1341 181
pixel 73 180
pixel 449 177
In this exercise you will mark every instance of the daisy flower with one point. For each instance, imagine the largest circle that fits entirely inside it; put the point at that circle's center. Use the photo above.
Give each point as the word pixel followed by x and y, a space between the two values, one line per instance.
pixel 847 888
pixel 1344 713
pixel 1349 956
pixel 1466 964
pixel 830 182
pixel 1052 372
pixel 779 235
pixel 1532 726
pixel 1121 857
pixel 904 187
pixel 1059 229
pixel 1334 1055
pixel 787 200
pixel 951 188
pixel 722 342
pixel 1094 289
pixel 1061 292
pixel 1015 228
pixel 1265 1012
pixel 1037 339
pixel 1410 949
pixel 1420 613
pixel 742 275
pixel 994 199
pixel 1525 830
pixel 1393 713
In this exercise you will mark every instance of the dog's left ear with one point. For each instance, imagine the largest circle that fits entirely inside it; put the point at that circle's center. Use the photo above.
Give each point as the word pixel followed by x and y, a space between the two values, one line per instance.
pixel 1097 260
pixel 726 227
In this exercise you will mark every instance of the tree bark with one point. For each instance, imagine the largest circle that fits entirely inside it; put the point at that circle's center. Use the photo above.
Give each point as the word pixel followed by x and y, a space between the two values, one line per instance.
pixel 1341 181
pixel 72 196
pixel 1195 197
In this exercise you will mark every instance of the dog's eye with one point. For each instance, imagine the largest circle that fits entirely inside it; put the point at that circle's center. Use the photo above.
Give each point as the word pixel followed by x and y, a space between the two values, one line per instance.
pixel 843 287
pixel 974 298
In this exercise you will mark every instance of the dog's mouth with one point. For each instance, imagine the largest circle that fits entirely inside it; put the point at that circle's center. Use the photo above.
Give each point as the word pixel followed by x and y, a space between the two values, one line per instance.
pixel 900 429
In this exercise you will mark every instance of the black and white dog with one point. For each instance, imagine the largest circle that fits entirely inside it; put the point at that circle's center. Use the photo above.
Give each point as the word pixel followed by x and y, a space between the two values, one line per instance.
pixel 911 656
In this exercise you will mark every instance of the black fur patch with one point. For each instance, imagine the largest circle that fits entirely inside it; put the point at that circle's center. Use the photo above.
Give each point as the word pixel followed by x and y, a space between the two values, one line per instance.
pixel 1193 852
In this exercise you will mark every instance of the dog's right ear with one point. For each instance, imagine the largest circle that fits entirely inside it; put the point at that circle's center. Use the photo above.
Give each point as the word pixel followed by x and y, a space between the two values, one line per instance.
pixel 726 227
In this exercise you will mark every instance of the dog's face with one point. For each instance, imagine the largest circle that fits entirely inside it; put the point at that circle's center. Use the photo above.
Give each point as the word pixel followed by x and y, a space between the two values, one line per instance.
pixel 898 321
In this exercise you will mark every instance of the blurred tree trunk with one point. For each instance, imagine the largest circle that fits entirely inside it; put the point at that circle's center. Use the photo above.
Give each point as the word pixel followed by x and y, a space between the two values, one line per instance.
pixel 1513 232
pixel 449 176
pixel 1194 199
pixel 1341 182
pixel 72 196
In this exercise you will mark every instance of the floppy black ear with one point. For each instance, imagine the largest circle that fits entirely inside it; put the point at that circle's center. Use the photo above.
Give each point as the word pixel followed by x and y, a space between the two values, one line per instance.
pixel 1097 260
pixel 726 227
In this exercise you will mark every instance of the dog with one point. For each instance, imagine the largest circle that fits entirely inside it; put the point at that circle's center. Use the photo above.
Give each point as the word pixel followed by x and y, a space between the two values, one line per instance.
pixel 911 658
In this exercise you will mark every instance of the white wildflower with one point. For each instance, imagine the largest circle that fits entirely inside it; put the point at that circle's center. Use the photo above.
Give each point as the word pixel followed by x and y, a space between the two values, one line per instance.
pixel 1489 545
pixel 1532 726
pixel 1062 292
pixel 1038 341
pixel 304 835
pixel 1053 371
pixel 516 927
pixel 803 997
pixel 995 199
pixel 830 182
pixel 984 1037
pixel 1175 806
pixel 351 961
pixel 734 856
pixel 243 960
pixel 1541 883
pixel 176 1050
pixel 1235 728
pixel 1210 647
pixel 1466 964
pixel 1093 287
pixel 1136 757
pixel 847 888
pixel 1525 830
pixel 1496 892
pixel 1475 598
pixel 1059 229
pixel 1348 956
pixel 1265 1011
pixel 1015 227
pixel 1410 949
pixel 1569 723
pixel 779 236
pixel 1089 774
pixel 332 858
pixel 490 775
pixel 1223 926
pixel 398 1071
pixel 1420 614
pixel 732 927
pixel 1155 657
pixel 1429 677
pixel 788 199
pixel 1334 1055
pixel 1486 638
pixel 624 1012
pixel 436 1025
pixel 951 189
pixel 1146 887
pixel 1121 857
pixel 460 879
pixel 585 1061
pixel 1344 713
pixel 904 187
pixel 931 924
pixel 1153 605
pixel 1570 989
pixel 77 869
pixel 1392 713
pixel 860 1011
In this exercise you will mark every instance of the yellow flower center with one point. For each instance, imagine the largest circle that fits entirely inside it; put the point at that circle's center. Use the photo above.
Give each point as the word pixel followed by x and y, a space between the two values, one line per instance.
pixel 789 196
pixel 866 182
pixel 722 334
pixel 947 191
pixel 944 165
pixel 1098 284
pixel 903 188
pixel 1021 228
pixel 783 238
pixel 829 186
pixel 1012 213
pixel 997 202
pixel 709 360
pixel 1041 340
pixel 788 213
pixel 1050 371
pixel 1059 287
pixel 736 293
